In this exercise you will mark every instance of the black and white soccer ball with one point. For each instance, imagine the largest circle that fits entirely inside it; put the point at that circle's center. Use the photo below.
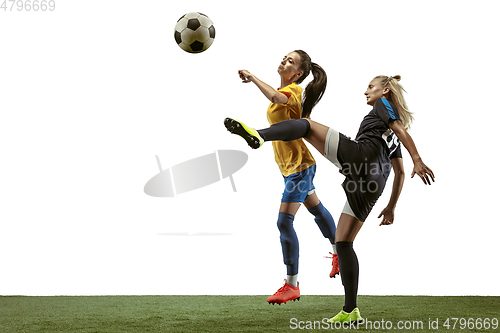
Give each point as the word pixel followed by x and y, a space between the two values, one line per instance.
pixel 194 32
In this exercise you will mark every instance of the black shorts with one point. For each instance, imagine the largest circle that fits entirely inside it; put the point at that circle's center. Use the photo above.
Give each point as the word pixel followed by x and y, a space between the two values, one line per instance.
pixel 365 173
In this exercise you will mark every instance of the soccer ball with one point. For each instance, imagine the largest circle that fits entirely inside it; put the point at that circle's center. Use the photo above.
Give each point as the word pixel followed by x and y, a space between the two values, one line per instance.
pixel 194 32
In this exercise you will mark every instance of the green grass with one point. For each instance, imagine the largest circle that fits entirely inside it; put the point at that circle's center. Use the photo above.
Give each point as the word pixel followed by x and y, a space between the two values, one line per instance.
pixel 231 313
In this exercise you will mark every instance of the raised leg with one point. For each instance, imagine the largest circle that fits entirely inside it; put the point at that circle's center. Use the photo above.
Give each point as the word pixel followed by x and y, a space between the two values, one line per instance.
pixel 317 136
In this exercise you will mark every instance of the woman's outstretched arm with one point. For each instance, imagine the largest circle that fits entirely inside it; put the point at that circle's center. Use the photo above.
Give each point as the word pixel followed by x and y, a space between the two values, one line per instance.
pixel 268 91
pixel 419 168
pixel 397 187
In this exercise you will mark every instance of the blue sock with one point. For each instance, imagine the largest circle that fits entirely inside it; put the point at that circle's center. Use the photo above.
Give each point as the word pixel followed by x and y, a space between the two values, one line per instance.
pixel 325 221
pixel 289 243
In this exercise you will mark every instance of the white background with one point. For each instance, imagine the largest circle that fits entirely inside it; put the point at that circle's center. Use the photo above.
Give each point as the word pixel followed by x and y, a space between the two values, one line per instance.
pixel 91 92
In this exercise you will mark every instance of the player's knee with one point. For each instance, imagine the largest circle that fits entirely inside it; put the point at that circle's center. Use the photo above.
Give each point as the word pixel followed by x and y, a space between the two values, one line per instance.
pixel 324 220
pixel 285 222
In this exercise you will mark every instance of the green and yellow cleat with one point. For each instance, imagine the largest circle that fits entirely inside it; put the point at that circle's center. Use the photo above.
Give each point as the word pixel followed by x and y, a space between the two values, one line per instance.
pixel 343 316
pixel 250 135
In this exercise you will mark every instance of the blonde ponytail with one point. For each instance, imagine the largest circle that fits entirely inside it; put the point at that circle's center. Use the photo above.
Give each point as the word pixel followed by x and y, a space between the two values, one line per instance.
pixel 396 96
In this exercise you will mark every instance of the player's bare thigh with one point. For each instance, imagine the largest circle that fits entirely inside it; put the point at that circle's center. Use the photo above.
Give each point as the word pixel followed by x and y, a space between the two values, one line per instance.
pixel 312 200
pixel 289 207
pixel 347 228
pixel 317 135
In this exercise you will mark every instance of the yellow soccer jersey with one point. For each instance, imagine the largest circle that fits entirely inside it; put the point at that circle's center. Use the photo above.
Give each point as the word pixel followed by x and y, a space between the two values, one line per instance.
pixel 291 156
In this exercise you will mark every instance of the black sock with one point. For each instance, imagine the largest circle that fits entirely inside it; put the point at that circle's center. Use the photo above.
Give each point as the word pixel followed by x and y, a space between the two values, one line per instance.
pixel 349 272
pixel 287 130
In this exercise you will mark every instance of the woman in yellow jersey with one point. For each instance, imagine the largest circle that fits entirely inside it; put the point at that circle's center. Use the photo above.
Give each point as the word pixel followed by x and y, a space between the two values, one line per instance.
pixel 294 160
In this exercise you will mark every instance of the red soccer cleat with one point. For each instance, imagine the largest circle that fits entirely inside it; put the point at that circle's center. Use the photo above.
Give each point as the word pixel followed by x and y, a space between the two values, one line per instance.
pixel 285 294
pixel 335 265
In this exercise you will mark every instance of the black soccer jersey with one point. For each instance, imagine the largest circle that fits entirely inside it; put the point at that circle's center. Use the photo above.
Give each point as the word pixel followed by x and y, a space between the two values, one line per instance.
pixel 366 161
pixel 375 128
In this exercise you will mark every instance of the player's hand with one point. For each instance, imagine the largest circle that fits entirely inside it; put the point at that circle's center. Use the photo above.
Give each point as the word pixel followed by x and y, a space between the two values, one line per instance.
pixel 245 75
pixel 388 216
pixel 423 171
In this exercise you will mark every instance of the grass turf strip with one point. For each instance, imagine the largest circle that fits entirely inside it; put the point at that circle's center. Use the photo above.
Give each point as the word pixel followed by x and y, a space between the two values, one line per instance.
pixel 237 313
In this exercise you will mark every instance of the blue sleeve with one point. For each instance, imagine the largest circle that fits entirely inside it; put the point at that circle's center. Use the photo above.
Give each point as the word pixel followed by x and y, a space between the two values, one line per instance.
pixel 386 111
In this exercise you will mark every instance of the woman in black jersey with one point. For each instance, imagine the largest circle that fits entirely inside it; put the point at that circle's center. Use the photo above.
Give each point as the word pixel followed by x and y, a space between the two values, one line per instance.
pixel 365 162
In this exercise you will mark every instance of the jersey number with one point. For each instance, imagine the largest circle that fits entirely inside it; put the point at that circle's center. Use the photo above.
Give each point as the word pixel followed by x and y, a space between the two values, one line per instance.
pixel 391 140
